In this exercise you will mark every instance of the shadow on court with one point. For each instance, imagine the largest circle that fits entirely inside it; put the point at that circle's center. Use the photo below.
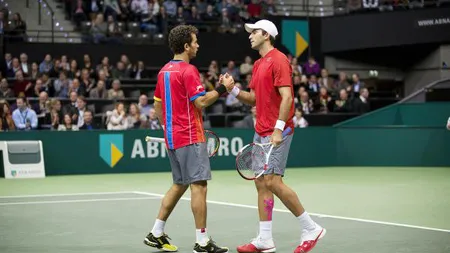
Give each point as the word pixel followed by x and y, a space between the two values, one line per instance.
pixel 118 223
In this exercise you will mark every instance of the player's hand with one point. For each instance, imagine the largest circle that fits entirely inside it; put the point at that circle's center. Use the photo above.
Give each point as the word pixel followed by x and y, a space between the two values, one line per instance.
pixel 228 81
pixel 276 138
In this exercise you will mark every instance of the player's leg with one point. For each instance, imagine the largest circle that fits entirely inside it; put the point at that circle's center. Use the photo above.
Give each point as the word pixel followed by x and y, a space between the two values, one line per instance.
pixel 311 231
pixel 157 238
pixel 264 241
pixel 195 163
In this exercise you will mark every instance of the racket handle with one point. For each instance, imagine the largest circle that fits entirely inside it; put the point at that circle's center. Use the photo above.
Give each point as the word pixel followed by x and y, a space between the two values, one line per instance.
pixel 153 139
pixel 287 131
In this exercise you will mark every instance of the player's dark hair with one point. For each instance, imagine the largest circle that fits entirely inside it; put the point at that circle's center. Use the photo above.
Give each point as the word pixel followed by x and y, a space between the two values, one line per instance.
pixel 179 36
pixel 271 38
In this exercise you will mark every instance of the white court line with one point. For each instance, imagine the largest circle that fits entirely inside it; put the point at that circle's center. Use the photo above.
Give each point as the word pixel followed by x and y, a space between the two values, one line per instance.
pixel 66 194
pixel 72 201
pixel 314 214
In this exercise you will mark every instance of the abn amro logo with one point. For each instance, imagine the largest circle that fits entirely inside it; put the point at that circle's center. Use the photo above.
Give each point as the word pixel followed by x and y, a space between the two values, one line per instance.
pixel 111 148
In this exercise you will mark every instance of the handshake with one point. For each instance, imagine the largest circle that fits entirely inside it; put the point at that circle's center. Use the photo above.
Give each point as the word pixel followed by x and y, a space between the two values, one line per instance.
pixel 228 81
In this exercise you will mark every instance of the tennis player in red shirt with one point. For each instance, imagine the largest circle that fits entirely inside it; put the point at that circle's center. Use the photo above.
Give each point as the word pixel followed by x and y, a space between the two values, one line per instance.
pixel 179 100
pixel 272 93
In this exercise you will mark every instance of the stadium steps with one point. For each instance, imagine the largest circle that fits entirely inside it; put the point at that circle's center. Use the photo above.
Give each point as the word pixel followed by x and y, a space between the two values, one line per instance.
pixel 41 32
pixel 301 8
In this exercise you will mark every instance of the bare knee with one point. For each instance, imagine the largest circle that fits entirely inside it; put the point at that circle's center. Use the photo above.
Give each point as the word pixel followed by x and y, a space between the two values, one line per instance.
pixel 199 187
pixel 180 188
pixel 272 183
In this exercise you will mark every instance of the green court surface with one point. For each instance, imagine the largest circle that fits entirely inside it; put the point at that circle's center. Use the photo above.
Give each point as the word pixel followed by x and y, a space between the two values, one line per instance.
pixel 363 210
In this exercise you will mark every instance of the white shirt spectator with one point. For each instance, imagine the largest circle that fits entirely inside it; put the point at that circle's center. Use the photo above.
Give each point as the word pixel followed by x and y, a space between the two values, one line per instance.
pixel 139 6
pixel 301 122
pixel 25 119
pixel 116 121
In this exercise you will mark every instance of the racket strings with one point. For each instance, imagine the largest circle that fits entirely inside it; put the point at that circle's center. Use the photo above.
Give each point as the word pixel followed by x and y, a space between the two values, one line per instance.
pixel 251 160
pixel 212 143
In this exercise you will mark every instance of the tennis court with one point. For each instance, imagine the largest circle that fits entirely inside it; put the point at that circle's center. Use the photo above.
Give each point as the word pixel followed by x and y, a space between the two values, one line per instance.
pixel 363 209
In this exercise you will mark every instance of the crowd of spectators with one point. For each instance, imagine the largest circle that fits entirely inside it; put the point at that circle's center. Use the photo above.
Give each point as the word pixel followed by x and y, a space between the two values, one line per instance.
pixel 57 79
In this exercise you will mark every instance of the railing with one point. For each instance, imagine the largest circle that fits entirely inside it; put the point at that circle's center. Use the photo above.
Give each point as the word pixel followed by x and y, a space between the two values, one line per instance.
pixel 420 94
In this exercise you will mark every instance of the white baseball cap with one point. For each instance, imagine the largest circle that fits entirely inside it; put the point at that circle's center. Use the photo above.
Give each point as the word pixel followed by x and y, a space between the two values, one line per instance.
pixel 263 24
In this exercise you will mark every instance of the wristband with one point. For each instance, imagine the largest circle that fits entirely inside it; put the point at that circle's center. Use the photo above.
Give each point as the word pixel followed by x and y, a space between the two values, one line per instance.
pixel 235 91
pixel 221 89
pixel 280 125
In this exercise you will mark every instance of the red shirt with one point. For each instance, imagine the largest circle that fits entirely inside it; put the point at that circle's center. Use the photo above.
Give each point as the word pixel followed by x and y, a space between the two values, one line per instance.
pixel 177 87
pixel 270 72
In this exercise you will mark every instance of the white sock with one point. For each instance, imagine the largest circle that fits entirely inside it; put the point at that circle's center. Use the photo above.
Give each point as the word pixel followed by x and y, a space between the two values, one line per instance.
pixel 158 228
pixel 202 236
pixel 306 222
pixel 265 230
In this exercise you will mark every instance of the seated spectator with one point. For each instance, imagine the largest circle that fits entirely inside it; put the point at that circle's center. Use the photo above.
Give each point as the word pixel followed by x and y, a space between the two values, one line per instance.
pixel 117 120
pixel 56 109
pixel 170 7
pixel 74 71
pixel 247 66
pixel 210 16
pixel 325 80
pixel 342 83
pixel 299 120
pixel 313 85
pixel 306 103
pixel 64 64
pixel 56 119
pixel 15 67
pixel 120 72
pixel 62 85
pixel 113 31
pixel 6 120
pixel 343 104
pixel 194 17
pixel 227 25
pixel 133 117
pixel 312 67
pixel 46 65
pixel 99 29
pixel 357 84
pixel 88 122
pixel 67 124
pixel 115 92
pixel 139 9
pixel 361 104
pixel 54 72
pixel 24 65
pixel 268 8
pixel 24 118
pixel 112 7
pixel 36 90
pixel 43 105
pixel 139 72
pixel 249 121
pixel 143 105
pixel 296 68
pixel 99 91
pixel 72 107
pixel 323 103
pixel 5 91
pixel 81 109
pixel 22 86
pixel 86 82
pixel 153 120
pixel 34 71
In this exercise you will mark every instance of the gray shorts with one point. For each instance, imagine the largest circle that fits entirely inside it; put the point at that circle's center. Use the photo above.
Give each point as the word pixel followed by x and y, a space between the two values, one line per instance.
pixel 278 157
pixel 190 164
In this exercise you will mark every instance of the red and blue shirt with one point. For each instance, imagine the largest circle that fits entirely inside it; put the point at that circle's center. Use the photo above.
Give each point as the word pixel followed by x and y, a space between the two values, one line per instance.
pixel 177 88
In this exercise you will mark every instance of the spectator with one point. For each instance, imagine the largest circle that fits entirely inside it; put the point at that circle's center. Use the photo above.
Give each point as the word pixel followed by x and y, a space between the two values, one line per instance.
pixel 113 32
pixel 81 106
pixel 24 66
pixel 18 28
pixel 62 85
pixel 139 9
pixel 306 103
pixel 153 120
pixel 357 84
pixel 120 72
pixel 323 102
pixel 79 14
pixel 67 124
pixel 170 7
pixel 313 85
pixel 64 64
pixel 43 105
pixel 8 62
pixel 34 71
pixel 115 92
pixel 342 83
pixel 21 85
pixel 54 72
pixel 88 121
pixel 325 80
pixel 73 72
pixel 116 120
pixel 268 8
pixel 125 10
pixel 24 118
pixel 343 104
pixel 72 108
pixel 15 67
pixel 6 120
pixel 112 7
pixel 56 108
pixel 247 66
pixel 36 90
pixel 312 67
pixel 99 29
pixel 86 82
pixel 99 91
pixel 133 117
pixel 46 65
pixel 249 121
pixel 202 6
pixel 299 120
pixel 5 91
pixel 361 103
pixel 139 71
pixel 143 105
pixel 296 68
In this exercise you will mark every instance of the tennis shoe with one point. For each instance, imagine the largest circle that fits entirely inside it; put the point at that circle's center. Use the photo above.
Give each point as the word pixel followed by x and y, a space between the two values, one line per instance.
pixel 310 239
pixel 161 242
pixel 210 247
pixel 258 245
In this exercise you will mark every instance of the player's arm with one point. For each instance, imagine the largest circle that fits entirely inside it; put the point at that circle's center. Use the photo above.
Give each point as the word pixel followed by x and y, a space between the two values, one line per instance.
pixel 158 110
pixel 208 98
pixel 242 95
pixel 286 102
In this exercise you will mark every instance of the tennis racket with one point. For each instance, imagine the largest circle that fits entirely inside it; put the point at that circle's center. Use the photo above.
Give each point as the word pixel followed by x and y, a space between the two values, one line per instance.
pixel 253 159
pixel 212 142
